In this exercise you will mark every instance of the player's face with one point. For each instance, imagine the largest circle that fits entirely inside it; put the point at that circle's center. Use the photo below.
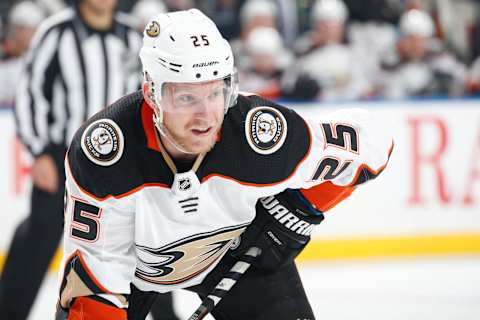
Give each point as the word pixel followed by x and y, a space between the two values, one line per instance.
pixel 331 32
pixel 414 47
pixel 101 6
pixel 193 113
pixel 264 63
pixel 259 21
pixel 22 37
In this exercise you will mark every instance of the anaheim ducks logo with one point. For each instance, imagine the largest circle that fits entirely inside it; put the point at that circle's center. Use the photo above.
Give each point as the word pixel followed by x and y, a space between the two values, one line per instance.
pixel 103 142
pixel 265 129
pixel 185 259
pixel 153 29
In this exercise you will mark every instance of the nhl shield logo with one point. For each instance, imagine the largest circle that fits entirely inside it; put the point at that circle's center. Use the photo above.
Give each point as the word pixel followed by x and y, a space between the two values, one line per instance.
pixel 184 184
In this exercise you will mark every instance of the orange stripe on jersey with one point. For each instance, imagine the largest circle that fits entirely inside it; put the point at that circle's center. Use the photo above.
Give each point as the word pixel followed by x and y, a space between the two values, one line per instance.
pixel 391 149
pixel 264 184
pixel 237 181
pixel 148 126
pixel 327 195
pixel 130 192
pixel 88 309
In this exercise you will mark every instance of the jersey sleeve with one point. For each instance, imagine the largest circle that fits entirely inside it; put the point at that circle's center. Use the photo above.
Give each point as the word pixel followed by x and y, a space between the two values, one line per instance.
pixel 99 254
pixel 348 148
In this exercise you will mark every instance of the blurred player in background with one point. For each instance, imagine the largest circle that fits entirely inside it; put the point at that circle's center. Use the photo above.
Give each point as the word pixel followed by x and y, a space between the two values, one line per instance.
pixel 23 20
pixel 265 61
pixel 328 23
pixel 418 64
pixel 143 10
pixel 326 59
pixel 161 184
pixel 253 14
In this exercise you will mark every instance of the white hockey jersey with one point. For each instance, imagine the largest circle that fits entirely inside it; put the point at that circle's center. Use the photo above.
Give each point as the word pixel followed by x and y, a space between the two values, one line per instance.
pixel 129 219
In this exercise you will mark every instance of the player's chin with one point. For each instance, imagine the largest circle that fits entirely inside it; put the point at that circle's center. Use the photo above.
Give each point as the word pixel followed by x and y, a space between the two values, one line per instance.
pixel 203 144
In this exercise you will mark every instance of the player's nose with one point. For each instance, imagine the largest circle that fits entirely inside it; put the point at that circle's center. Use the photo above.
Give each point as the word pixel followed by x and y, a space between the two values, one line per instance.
pixel 203 107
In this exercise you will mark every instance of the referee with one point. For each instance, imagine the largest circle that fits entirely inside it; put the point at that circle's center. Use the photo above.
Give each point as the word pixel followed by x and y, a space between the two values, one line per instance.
pixel 81 60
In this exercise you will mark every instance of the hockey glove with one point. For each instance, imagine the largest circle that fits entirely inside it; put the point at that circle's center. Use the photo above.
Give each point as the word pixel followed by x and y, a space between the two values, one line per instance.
pixel 281 228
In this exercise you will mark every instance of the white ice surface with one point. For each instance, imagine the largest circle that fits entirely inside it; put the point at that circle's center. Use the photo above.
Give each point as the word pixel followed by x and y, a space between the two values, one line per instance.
pixel 415 289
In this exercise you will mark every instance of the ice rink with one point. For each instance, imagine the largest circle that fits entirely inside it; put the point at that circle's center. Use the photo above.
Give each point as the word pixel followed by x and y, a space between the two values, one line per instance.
pixel 413 289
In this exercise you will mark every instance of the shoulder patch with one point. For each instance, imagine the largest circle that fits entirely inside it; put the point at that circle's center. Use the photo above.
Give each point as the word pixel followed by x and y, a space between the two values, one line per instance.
pixel 103 142
pixel 265 129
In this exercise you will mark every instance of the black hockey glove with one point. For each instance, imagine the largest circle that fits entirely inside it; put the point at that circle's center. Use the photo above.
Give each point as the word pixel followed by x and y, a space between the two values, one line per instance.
pixel 281 228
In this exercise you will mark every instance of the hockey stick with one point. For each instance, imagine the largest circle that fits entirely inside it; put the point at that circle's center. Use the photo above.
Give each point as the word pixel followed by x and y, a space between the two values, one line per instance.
pixel 214 297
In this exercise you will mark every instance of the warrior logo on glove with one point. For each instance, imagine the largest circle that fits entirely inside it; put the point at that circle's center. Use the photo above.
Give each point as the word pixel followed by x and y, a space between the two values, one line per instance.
pixel 281 229
pixel 287 218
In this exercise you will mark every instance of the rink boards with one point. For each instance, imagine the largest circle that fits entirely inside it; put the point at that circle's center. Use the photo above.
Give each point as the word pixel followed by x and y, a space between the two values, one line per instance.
pixel 425 203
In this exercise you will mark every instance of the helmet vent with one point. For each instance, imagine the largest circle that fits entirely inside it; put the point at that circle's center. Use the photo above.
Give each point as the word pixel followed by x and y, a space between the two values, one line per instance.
pixel 169 65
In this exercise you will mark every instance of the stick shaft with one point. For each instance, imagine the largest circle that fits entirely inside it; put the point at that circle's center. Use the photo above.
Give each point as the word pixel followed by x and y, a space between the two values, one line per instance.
pixel 227 282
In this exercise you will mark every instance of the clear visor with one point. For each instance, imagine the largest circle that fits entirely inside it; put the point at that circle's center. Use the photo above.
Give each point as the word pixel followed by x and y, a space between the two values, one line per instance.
pixel 202 97
pixel 198 102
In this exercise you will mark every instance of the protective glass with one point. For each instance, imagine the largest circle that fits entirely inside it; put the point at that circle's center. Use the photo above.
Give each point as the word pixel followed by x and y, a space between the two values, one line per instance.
pixel 204 103
pixel 201 97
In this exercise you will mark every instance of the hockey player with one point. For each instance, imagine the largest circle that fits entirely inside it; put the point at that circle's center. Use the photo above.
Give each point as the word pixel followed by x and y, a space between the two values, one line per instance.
pixel 162 182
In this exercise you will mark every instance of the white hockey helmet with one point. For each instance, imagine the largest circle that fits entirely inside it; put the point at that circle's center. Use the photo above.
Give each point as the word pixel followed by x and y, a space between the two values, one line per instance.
pixel 257 8
pixel 26 14
pixel 185 47
pixel 264 40
pixel 329 10
pixel 143 10
pixel 416 22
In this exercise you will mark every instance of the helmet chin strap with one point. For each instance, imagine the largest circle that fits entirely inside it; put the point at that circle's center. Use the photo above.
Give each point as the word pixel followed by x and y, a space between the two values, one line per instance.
pixel 164 132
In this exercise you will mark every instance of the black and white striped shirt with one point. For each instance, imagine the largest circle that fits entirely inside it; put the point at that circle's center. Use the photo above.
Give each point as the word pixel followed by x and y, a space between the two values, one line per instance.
pixel 72 72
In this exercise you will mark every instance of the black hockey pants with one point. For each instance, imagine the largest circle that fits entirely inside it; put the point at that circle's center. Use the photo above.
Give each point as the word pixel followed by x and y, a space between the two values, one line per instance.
pixel 258 295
